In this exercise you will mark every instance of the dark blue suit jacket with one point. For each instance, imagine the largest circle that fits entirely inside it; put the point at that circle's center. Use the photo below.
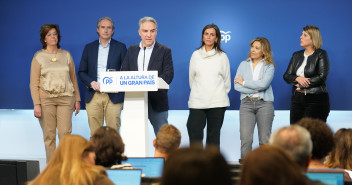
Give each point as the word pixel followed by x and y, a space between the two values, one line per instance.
pixel 161 61
pixel 87 71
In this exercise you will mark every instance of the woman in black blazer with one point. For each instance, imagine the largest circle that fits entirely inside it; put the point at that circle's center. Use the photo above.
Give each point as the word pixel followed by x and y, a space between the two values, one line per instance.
pixel 307 73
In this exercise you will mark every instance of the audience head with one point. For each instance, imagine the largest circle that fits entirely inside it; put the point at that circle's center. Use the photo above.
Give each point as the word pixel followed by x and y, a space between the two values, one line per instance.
pixel 109 146
pixel 167 140
pixel 196 166
pixel 321 135
pixel 296 141
pixel 341 155
pixel 72 163
pixel 270 165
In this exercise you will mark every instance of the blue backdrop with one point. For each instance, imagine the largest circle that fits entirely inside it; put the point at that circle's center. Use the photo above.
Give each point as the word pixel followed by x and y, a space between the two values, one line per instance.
pixel 179 27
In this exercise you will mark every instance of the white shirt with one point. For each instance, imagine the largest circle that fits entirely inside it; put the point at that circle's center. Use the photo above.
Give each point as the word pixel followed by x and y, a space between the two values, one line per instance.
pixel 144 57
pixel 300 70
pixel 255 73
pixel 103 53
pixel 209 79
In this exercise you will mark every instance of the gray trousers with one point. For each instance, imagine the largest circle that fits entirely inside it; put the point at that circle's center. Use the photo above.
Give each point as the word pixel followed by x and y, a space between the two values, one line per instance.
pixel 260 112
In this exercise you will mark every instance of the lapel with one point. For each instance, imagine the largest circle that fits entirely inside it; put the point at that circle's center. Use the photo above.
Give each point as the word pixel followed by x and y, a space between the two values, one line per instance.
pixel 94 57
pixel 300 61
pixel 153 56
pixel 111 54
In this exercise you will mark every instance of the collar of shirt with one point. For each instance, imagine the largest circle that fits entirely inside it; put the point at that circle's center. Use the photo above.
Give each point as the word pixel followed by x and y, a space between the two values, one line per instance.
pixel 108 45
pixel 151 47
pixel 144 57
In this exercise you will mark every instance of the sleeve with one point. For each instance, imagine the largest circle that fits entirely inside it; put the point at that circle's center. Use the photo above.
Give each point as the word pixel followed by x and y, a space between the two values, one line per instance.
pixel 192 72
pixel 323 66
pixel 35 81
pixel 168 67
pixel 239 87
pixel 73 77
pixel 290 74
pixel 264 83
pixel 227 74
pixel 83 69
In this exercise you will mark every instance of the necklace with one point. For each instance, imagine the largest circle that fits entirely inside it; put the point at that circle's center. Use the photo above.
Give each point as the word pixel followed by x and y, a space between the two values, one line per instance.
pixel 53 59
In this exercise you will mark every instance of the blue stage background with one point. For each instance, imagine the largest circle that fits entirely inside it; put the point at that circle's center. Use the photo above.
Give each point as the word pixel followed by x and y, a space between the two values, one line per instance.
pixel 179 26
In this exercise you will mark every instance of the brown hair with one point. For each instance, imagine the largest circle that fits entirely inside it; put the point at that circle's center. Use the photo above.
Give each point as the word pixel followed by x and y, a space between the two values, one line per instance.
pixel 109 146
pixel 315 36
pixel 266 49
pixel 44 31
pixel 196 166
pixel 68 165
pixel 168 139
pixel 270 165
pixel 217 44
pixel 321 135
pixel 341 155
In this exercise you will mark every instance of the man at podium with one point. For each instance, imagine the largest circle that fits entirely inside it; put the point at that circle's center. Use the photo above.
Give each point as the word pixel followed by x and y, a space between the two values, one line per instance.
pixel 100 56
pixel 149 55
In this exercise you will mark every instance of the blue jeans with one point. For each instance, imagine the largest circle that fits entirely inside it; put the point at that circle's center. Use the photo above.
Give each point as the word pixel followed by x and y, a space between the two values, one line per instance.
pixel 157 119
pixel 260 112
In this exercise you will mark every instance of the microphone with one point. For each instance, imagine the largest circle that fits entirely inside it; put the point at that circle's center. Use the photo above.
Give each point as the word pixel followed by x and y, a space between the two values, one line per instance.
pixel 144 57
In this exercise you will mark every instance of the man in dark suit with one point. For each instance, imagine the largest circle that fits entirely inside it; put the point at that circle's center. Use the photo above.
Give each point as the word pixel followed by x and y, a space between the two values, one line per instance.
pixel 99 56
pixel 149 55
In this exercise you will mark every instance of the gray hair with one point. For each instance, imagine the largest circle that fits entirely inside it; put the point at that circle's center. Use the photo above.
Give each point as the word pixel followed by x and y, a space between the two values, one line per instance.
pixel 108 19
pixel 295 140
pixel 147 19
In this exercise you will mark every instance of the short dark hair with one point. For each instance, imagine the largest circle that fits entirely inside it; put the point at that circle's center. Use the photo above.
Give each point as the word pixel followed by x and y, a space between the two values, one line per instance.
pixel 44 31
pixel 321 135
pixel 217 46
pixel 168 139
pixel 191 166
pixel 109 146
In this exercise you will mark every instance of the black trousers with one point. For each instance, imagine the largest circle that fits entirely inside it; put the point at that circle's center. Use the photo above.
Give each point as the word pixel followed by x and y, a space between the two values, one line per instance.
pixel 197 120
pixel 309 105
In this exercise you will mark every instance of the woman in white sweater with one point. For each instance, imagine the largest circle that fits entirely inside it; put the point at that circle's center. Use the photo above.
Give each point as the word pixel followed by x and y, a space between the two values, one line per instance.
pixel 210 83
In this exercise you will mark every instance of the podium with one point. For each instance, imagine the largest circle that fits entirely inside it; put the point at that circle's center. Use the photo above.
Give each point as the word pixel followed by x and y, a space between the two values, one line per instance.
pixel 134 124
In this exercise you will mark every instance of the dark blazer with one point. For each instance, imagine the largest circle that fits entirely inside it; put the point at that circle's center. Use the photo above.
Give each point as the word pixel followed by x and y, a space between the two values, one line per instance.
pixel 87 71
pixel 161 61
pixel 317 69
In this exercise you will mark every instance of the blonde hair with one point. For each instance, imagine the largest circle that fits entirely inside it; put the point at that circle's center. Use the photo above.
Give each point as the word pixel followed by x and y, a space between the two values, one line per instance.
pixel 68 164
pixel 168 139
pixel 315 36
pixel 266 49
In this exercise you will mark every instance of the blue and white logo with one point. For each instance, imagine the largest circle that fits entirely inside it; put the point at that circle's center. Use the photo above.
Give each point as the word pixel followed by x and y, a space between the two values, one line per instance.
pixel 225 36
pixel 107 80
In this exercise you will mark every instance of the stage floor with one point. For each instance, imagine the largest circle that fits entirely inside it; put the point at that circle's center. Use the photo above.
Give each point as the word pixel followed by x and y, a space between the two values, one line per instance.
pixel 21 136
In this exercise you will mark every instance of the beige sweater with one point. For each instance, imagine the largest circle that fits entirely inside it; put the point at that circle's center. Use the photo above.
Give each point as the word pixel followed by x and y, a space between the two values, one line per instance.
pixel 53 79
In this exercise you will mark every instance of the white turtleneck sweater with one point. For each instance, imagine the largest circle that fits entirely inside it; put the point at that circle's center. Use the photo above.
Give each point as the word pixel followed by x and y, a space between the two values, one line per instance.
pixel 209 79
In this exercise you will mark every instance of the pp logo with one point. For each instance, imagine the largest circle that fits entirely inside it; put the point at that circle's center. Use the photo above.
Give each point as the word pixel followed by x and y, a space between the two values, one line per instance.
pixel 107 80
pixel 225 36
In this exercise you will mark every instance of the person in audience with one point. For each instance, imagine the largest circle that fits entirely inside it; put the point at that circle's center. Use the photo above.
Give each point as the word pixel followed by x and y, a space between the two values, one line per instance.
pixel 167 141
pixel 322 139
pixel 196 166
pixel 270 165
pixel 296 141
pixel 253 79
pixel 210 83
pixel 54 88
pixel 72 164
pixel 323 143
pixel 307 72
pixel 341 155
pixel 109 147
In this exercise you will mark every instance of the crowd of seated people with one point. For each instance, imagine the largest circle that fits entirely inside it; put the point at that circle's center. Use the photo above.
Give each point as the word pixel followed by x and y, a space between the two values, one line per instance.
pixel 292 151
